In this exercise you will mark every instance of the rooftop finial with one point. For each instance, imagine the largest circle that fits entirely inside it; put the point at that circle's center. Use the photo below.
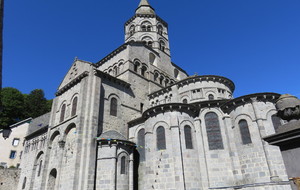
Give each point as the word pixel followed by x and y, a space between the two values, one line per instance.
pixel 145 8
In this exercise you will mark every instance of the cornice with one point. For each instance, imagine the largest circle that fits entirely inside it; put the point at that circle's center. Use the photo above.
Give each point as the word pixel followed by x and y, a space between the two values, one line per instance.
pixel 179 107
pixel 146 16
pixel 261 97
pixel 193 79
pixel 284 139
pixel 214 78
pixel 37 133
pixel 113 79
pixel 160 92
pixel 209 103
pixel 151 112
pixel 111 55
pixel 72 83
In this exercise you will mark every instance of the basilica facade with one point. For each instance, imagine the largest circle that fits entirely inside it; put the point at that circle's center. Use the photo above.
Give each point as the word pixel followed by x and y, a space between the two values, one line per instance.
pixel 136 121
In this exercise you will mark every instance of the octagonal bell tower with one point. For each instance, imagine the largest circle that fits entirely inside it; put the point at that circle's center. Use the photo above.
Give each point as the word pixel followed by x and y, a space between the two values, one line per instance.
pixel 145 26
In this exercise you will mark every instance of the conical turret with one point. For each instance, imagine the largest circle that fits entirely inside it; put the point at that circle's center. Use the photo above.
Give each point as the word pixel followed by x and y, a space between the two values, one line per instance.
pixel 145 8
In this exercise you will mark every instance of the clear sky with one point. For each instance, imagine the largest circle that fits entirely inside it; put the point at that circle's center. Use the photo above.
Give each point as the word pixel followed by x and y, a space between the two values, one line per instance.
pixel 255 43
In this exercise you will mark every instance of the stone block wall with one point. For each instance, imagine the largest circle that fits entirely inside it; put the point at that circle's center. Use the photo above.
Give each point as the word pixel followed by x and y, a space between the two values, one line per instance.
pixel 9 179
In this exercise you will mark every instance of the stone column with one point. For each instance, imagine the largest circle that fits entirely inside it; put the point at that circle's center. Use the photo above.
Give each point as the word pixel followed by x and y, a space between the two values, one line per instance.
pixel 259 120
pixel 177 154
pixel 131 168
pixel 202 154
pixel 232 148
pixel 106 167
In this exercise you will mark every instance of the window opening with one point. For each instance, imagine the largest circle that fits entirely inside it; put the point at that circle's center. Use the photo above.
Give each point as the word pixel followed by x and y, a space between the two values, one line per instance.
pixel 136 65
pixel 160 138
pixel 40 168
pixel 213 131
pixel 149 28
pixel 113 107
pixel 123 165
pixel 162 46
pixel 144 28
pixel 16 142
pixel 245 133
pixel 141 107
pixel 188 137
pixel 211 97
pixel 160 29
pixel 141 144
pixel 13 154
pixel 62 113
pixel 143 71
pixel 74 106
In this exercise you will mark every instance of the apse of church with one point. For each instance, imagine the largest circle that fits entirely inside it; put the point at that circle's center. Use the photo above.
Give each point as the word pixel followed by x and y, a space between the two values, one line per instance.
pixel 135 120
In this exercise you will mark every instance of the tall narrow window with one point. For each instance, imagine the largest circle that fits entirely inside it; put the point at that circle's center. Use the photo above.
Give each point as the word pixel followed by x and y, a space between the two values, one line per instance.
pixel 40 168
pixel 148 28
pixel 136 66
pixel 184 101
pixel 62 113
pixel 141 144
pixel 245 133
pixel 276 122
pixel 141 107
pixel 160 29
pixel 143 71
pixel 123 165
pixel 188 137
pixel 151 57
pixel 160 138
pixel 24 183
pixel 150 44
pixel 213 130
pixel 166 82
pixel 144 28
pixel 52 179
pixel 176 73
pixel 116 71
pixel 13 154
pixel 211 97
pixel 161 79
pixel 162 45
pixel 113 107
pixel 74 106
pixel 156 76
pixel 132 29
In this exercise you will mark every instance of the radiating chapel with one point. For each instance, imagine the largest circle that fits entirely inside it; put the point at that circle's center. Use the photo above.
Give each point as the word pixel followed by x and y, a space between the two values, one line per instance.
pixel 137 121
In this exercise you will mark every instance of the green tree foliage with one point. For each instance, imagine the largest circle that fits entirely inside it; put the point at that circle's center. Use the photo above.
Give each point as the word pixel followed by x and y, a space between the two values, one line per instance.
pixel 17 106
pixel 12 106
pixel 36 104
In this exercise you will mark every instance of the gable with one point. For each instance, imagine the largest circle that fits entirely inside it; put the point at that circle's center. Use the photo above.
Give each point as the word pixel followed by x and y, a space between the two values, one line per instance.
pixel 77 68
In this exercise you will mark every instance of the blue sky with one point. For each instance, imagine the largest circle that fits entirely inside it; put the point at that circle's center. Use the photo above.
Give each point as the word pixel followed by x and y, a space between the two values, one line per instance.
pixel 255 43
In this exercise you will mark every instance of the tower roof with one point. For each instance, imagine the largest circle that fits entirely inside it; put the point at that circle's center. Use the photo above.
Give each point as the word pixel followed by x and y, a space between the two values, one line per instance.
pixel 145 8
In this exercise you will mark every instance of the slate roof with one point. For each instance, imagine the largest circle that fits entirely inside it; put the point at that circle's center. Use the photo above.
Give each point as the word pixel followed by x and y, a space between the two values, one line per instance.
pixel 38 123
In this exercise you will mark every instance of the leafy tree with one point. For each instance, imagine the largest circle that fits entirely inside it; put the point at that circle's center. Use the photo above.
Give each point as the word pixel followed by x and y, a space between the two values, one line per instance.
pixel 36 104
pixel 13 104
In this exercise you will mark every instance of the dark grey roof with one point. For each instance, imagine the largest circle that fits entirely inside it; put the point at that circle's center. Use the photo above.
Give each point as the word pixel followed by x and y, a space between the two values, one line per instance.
pixel 112 135
pixel 38 123
pixel 290 126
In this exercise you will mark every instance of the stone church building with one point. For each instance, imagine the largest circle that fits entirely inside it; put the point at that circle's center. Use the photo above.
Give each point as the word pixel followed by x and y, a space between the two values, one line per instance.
pixel 136 121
